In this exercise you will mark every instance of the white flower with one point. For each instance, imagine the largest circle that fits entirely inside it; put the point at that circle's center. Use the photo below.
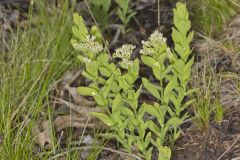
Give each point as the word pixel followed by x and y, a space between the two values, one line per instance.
pixel 125 63
pixel 89 45
pixel 124 52
pixel 152 45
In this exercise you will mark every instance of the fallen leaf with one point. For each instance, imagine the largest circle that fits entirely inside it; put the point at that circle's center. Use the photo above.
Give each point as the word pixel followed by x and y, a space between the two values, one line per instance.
pixel 80 109
pixel 78 99
pixel 62 122
pixel 43 139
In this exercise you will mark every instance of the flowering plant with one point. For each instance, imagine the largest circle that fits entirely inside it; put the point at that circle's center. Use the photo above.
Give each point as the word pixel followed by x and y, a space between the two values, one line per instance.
pixel 114 89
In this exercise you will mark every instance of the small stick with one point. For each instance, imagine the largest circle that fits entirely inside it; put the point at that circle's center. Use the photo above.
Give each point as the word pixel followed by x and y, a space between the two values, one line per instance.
pixel 159 14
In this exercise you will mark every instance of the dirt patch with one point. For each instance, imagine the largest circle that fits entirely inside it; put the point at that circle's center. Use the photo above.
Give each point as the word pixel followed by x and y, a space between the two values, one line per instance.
pixel 219 142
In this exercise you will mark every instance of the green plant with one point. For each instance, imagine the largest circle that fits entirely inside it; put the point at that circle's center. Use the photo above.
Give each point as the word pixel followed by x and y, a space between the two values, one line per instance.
pixel 117 97
pixel 113 86
pixel 219 112
pixel 36 57
pixel 205 109
pixel 125 13
pixel 172 70
pixel 100 9
pixel 210 15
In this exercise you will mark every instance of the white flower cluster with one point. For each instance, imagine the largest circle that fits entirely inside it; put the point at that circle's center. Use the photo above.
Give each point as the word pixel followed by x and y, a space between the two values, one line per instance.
pixel 125 63
pixel 89 45
pixel 156 39
pixel 125 54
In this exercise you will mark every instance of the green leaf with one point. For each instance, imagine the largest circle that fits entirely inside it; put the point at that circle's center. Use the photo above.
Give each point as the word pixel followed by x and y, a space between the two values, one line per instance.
pixel 151 88
pixel 157 72
pixel 140 145
pixel 189 102
pixel 166 71
pixel 116 102
pixel 149 154
pixel 127 112
pixel 87 91
pixel 132 14
pixel 176 135
pixel 81 29
pixel 101 100
pixel 152 110
pixel 169 90
pixel 177 36
pixel 124 5
pixel 92 68
pixel 174 122
pixel 77 33
pixel 164 153
pixel 174 100
pixel 154 143
pixel 130 139
pixel 94 86
pixel 103 117
pixel 104 60
pixel 137 94
pixel 123 83
pixel 104 71
pixel 115 87
pixel 181 52
pixel 97 33
pixel 107 87
pixel 190 37
pixel 170 86
pixel 134 70
pixel 148 138
pixel 187 70
pixel 149 61
pixel 129 78
pixel 117 117
pixel 179 66
pixel 156 111
pixel 153 127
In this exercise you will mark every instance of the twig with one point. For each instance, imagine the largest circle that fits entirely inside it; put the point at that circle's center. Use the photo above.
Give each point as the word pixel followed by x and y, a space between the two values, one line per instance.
pixel 159 14
pixel 229 148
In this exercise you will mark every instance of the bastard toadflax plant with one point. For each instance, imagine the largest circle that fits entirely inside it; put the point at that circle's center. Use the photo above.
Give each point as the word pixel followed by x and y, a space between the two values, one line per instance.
pixel 113 86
